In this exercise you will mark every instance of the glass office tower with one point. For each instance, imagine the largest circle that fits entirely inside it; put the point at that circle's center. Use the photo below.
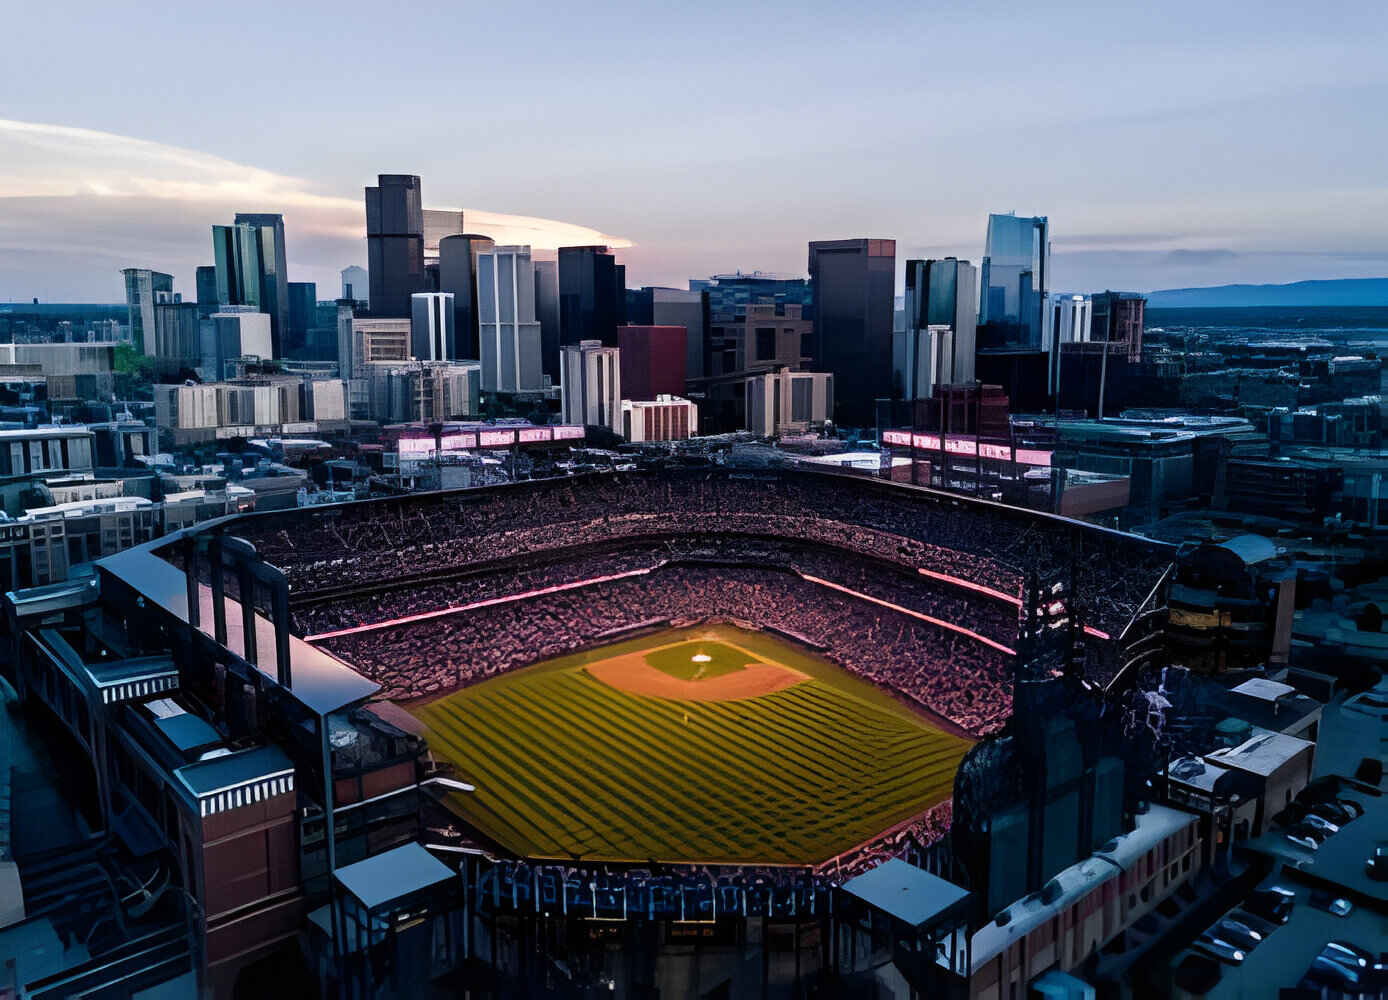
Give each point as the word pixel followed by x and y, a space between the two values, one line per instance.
pixel 143 288
pixel 1016 278
pixel 250 264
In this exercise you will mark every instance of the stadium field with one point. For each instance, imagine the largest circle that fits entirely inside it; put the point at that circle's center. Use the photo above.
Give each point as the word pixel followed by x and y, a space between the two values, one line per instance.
pixel 709 744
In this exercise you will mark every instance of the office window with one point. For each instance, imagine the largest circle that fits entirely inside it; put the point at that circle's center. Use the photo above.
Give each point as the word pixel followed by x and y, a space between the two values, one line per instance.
pixel 766 343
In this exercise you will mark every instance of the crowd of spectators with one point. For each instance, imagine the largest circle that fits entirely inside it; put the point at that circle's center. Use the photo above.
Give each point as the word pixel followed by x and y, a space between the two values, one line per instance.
pixel 982 543
pixel 953 675
pixel 987 616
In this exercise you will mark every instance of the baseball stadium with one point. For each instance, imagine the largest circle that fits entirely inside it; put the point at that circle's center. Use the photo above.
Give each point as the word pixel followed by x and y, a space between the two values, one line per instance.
pixel 695 669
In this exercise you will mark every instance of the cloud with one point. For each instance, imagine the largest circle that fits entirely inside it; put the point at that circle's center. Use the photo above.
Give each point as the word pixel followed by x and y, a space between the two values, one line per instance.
pixel 77 204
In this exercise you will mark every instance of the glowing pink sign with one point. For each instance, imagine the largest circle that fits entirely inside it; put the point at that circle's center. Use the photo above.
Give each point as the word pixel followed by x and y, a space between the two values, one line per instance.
pixel 459 442
pixel 568 432
pixel 530 435
pixel 496 439
pixel 416 446
pixel 1031 456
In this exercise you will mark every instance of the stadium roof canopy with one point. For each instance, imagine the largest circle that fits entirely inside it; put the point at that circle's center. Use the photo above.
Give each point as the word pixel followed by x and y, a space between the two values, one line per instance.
pixel 321 682
pixel 909 894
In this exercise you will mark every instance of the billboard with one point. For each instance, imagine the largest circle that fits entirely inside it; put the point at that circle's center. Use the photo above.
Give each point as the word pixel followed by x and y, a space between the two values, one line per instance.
pixel 532 435
pixel 960 444
pixel 568 432
pixel 457 441
pixel 496 439
pixel 415 447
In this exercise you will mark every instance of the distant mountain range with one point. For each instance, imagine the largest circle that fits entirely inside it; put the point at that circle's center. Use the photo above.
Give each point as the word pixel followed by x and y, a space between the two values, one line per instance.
pixel 1339 292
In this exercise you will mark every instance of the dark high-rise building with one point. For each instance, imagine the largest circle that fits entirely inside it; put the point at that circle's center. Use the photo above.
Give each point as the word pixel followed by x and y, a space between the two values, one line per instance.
pixel 547 312
pixel 619 294
pixel 250 269
pixel 587 295
pixel 1015 280
pixel 1118 319
pixel 640 306
pixel 395 243
pixel 652 361
pixel 303 314
pixel 853 286
pixel 458 277
pixel 207 290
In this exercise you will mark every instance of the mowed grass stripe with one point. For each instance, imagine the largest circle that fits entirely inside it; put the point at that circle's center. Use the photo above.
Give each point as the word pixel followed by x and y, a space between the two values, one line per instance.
pixel 566 765
pixel 717 759
pixel 522 806
pixel 615 781
pixel 582 815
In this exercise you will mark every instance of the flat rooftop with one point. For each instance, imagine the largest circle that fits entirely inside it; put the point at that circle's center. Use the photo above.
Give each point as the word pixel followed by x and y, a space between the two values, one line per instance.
pixel 910 894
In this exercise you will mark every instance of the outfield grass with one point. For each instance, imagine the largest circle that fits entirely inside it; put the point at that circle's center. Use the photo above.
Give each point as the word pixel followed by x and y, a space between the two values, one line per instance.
pixel 566 766
pixel 678 660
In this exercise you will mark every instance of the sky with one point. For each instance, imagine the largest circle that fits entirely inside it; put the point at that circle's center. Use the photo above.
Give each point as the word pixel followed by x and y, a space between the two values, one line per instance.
pixel 1171 145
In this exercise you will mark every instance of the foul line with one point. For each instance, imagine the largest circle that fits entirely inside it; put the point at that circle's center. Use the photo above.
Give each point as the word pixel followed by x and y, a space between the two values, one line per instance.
pixel 489 602
pixel 970 633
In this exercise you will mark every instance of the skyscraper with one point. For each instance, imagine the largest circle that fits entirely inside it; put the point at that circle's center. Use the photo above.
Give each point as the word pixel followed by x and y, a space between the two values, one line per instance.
pixel 175 341
pixel 394 243
pixel 591 389
pixel 1016 278
pixel 356 285
pixel 250 269
pixel 431 326
pixel 509 333
pixel 303 314
pixel 142 288
pixel 853 287
pixel 547 312
pixel 588 295
pixel 458 276
pixel 938 342
pixel 207 290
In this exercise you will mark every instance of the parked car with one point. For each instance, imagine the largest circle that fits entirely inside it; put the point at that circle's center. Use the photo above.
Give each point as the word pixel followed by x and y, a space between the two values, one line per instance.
pixel 1319 822
pixel 1254 922
pixel 1239 934
pixel 1273 904
pixel 1337 905
pixel 1325 974
pixel 1377 865
pixel 1349 954
pixel 1219 948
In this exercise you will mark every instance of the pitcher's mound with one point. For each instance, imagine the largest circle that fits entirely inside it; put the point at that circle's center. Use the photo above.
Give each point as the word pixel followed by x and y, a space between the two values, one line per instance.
pixel 726 675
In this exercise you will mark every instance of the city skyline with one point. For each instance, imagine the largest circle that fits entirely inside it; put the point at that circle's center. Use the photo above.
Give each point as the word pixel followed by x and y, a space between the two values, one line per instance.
pixel 1176 159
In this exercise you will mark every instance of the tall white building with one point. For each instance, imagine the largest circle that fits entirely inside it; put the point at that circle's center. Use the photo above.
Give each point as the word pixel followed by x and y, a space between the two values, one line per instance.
pixel 591 384
pixel 356 285
pixel 786 402
pixel 1068 319
pixel 431 326
pixel 508 330
pixel 923 358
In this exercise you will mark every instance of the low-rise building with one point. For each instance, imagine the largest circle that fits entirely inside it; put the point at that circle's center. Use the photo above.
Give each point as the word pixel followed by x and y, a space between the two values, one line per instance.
pixel 665 418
